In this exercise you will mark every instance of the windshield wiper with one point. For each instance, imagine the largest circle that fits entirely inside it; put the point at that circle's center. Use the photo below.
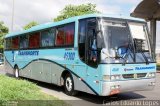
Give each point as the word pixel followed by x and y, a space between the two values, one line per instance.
pixel 145 57
pixel 138 48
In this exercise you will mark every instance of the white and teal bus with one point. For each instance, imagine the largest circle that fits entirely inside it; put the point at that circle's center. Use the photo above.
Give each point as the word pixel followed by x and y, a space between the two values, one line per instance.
pixel 98 54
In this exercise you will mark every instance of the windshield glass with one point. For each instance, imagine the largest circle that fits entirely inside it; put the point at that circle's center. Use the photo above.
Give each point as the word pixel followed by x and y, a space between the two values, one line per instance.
pixel 139 35
pixel 123 42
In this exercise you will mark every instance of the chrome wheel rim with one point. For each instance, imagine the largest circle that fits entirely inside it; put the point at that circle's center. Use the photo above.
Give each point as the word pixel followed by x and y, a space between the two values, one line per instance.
pixel 16 73
pixel 69 84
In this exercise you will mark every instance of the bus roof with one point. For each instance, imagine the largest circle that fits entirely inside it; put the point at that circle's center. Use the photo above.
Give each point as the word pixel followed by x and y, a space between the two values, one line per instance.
pixel 72 19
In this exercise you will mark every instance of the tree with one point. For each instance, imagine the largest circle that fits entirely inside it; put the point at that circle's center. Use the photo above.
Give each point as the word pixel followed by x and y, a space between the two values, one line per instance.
pixel 30 25
pixel 73 10
pixel 3 31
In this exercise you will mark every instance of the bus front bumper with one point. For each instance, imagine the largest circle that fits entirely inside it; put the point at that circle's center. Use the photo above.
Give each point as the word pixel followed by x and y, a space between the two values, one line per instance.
pixel 115 87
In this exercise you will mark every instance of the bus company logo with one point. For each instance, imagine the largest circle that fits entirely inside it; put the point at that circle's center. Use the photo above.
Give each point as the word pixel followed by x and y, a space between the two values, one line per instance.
pixel 28 53
pixel 128 69
pixel 145 68
pixel 115 69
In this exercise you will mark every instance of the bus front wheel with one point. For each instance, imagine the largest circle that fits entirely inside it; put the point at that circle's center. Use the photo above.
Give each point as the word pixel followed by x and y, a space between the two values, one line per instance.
pixel 69 85
pixel 16 72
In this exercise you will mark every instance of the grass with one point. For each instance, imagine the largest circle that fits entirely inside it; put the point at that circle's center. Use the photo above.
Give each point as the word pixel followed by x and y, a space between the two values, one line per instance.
pixel 13 90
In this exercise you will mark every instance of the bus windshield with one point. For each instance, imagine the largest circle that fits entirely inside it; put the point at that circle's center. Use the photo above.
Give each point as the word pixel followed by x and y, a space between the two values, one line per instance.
pixel 123 42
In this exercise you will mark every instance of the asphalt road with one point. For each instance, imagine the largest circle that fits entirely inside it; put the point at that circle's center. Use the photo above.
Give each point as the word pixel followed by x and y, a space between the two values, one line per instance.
pixel 84 99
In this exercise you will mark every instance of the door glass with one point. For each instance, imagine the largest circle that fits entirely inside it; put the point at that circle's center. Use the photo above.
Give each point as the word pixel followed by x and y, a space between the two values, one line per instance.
pixel 82 39
pixel 87 45
pixel 92 44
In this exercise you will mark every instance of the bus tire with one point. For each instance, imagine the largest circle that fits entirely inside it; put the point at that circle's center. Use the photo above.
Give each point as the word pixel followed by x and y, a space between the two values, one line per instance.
pixel 69 85
pixel 16 72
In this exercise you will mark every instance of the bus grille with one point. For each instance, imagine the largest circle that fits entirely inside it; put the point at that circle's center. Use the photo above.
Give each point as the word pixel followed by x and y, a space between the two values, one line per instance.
pixel 126 76
pixel 138 75
pixel 141 75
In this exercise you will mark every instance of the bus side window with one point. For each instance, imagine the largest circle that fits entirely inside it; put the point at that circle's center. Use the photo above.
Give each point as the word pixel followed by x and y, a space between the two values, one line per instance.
pixel 23 42
pixel 34 40
pixel 69 34
pixel 60 38
pixel 15 43
pixel 65 35
pixel 82 38
pixel 8 43
pixel 47 38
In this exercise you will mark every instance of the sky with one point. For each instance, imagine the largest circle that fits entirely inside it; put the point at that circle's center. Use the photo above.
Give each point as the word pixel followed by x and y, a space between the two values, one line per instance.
pixel 44 11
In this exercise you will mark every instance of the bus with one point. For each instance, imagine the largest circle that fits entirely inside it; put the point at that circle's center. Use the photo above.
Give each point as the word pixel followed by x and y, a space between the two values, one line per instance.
pixel 97 54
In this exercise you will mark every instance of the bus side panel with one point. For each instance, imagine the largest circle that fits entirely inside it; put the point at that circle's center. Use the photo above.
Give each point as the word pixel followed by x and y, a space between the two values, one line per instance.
pixel 9 62
pixel 56 72
pixel 47 72
pixel 44 71
pixel 7 67
pixel 81 71
pixel 81 86
pixel 26 72
pixel 37 71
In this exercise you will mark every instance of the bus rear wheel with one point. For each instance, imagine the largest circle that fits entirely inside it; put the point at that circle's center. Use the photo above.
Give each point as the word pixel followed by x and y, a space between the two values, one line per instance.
pixel 69 85
pixel 16 72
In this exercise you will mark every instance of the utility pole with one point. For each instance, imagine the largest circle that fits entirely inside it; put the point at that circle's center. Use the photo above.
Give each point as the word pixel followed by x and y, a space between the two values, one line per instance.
pixel 12 16
pixel 153 36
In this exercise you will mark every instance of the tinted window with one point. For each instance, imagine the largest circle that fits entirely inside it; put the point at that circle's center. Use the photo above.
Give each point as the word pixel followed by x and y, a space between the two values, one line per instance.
pixel 69 32
pixel 34 40
pixel 82 32
pixel 60 37
pixel 23 42
pixel 8 43
pixel 47 38
pixel 15 43
pixel 82 37
pixel 65 35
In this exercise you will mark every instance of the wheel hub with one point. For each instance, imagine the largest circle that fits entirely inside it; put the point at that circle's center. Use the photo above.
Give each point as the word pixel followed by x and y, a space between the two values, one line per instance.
pixel 69 84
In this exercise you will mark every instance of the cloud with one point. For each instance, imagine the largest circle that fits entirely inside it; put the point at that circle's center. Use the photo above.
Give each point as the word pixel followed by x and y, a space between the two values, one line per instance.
pixel 134 2
pixel 107 9
pixel 158 36
pixel 4 8
pixel 158 27
pixel 43 11
pixel 25 11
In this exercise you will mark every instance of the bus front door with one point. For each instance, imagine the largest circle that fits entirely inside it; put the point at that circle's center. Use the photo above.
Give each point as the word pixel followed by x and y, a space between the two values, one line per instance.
pixel 92 57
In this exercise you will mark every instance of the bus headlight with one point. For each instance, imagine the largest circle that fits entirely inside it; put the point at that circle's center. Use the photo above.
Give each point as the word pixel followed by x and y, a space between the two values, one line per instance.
pixel 112 77
pixel 118 77
pixel 106 77
pixel 115 87
pixel 151 75
pixel 115 77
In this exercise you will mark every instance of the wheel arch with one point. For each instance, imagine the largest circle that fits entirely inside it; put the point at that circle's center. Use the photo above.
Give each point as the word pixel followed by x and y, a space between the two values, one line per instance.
pixel 16 66
pixel 63 75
